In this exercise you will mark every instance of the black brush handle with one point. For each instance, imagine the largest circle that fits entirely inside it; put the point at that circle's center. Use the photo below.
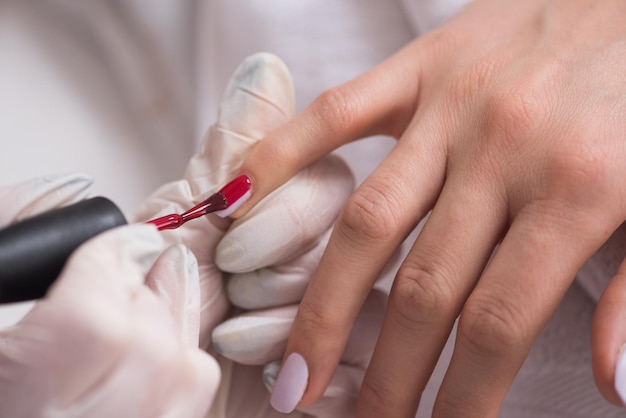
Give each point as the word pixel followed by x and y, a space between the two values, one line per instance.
pixel 34 251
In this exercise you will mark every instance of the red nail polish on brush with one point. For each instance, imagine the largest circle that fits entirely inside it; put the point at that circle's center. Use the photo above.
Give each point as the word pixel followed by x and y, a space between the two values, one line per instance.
pixel 223 203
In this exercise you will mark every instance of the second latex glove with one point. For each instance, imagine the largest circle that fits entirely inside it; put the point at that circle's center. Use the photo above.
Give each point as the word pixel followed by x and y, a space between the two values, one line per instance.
pixel 279 242
pixel 102 343
pixel 285 227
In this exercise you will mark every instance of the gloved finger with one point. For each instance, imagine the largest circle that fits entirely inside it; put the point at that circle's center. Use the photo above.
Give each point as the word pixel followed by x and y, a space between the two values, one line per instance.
pixel 201 237
pixel 40 194
pixel 258 99
pixel 340 397
pixel 255 338
pixel 260 337
pixel 174 279
pixel 290 221
pixel 78 332
pixel 277 285
pixel 284 284
pixel 608 337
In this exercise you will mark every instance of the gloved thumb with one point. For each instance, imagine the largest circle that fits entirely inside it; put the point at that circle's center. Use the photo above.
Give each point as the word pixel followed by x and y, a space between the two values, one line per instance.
pixel 259 98
pixel 290 221
pixel 174 279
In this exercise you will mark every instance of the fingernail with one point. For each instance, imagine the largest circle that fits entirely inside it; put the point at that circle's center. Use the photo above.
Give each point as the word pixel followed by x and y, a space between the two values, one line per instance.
pixel 290 384
pixel 620 376
pixel 236 192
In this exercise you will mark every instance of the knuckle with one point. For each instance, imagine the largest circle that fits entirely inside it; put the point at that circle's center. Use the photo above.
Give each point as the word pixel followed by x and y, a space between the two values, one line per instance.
pixel 520 109
pixel 473 80
pixel 378 394
pixel 514 114
pixel 420 296
pixel 438 43
pixel 314 320
pixel 490 327
pixel 442 41
pixel 578 167
pixel 283 155
pixel 369 214
pixel 448 405
pixel 337 107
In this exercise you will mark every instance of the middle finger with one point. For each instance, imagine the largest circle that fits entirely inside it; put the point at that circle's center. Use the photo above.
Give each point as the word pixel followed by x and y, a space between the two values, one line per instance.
pixel 375 221
pixel 427 295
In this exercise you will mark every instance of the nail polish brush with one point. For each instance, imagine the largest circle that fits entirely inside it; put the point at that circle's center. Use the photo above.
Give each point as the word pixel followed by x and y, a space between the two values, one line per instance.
pixel 34 251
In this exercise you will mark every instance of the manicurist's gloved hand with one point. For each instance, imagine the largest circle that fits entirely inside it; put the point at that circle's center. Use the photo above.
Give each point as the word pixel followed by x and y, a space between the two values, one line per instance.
pixel 269 254
pixel 107 340
pixel 288 226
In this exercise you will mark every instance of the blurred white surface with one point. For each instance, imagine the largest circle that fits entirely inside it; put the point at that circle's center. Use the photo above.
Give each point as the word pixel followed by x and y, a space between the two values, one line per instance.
pixel 60 112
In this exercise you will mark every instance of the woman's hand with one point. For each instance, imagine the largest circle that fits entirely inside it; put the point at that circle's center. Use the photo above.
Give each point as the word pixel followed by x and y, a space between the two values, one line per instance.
pixel 511 127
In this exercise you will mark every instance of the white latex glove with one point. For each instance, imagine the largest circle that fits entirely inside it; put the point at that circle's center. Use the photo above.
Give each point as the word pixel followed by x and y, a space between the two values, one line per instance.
pixel 292 224
pixel 260 338
pixel 271 251
pixel 102 343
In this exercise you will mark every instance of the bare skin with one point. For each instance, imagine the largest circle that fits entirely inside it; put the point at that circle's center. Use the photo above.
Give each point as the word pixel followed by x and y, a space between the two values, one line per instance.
pixel 511 128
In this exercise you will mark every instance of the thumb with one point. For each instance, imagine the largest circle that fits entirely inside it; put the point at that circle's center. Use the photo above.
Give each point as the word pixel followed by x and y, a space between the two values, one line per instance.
pixel 609 340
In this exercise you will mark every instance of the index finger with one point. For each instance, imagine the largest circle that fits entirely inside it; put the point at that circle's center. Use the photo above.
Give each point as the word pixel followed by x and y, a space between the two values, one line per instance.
pixel 373 103
pixel 378 217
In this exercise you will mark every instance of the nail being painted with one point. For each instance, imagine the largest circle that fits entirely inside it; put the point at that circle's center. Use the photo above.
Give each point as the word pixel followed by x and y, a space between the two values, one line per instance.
pixel 290 384
pixel 236 193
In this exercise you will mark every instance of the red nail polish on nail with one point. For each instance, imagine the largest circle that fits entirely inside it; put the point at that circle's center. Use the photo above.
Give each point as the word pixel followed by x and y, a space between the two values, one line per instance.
pixel 236 193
